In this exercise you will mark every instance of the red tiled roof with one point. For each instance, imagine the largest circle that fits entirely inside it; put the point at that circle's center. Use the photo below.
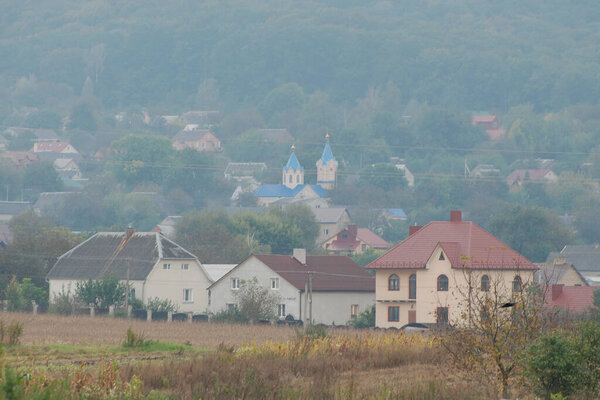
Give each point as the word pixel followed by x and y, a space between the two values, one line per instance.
pixel 520 174
pixel 483 118
pixel 54 147
pixel 458 239
pixel 372 239
pixel 572 298
pixel 495 134
pixel 331 273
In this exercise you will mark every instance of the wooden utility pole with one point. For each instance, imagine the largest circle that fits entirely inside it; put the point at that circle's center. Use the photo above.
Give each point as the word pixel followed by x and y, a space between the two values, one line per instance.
pixel 127 286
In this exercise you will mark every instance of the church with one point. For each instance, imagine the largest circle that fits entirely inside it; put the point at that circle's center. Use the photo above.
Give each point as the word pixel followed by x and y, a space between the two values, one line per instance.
pixel 292 185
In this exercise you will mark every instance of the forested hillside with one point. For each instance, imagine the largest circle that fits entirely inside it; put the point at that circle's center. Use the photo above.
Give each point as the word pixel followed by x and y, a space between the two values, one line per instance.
pixel 476 54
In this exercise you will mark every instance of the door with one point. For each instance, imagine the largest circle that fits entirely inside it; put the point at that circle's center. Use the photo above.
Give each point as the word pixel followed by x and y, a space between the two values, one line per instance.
pixel 412 316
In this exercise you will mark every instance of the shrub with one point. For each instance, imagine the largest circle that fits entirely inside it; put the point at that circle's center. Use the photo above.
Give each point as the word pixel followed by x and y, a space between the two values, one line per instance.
pixel 312 332
pixel 161 305
pixel 14 296
pixel 10 334
pixel 256 302
pixel 365 319
pixel 553 365
pixel 133 339
pixel 233 315
pixel 63 303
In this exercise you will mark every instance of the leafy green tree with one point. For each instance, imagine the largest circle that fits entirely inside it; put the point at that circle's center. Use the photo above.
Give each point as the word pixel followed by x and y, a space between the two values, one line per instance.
pixel 367 256
pixel 101 293
pixel 82 117
pixel 43 119
pixel 383 176
pixel 42 176
pixel 142 158
pixel 553 365
pixel 256 302
pixel 365 319
pixel 533 232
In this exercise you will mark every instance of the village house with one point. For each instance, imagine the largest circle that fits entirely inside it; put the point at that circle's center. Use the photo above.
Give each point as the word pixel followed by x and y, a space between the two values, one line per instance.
pixel 197 139
pixel 354 240
pixel 292 180
pixel 484 171
pixel 340 288
pixel 331 220
pixel 585 258
pixel 19 159
pixel 154 266
pixel 558 273
pixel 420 279
pixel 491 125
pixel 54 150
pixel 67 168
pixel 10 209
pixel 519 176
pixel 400 164
pixel 574 299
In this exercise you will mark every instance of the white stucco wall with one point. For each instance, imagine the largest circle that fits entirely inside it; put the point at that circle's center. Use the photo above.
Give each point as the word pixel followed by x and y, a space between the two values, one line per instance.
pixel 170 284
pixel 222 294
pixel 334 307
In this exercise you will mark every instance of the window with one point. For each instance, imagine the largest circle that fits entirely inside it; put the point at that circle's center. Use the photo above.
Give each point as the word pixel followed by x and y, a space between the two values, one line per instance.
pixel 442 258
pixel 231 306
pixel 344 236
pixel 393 313
pixel 235 283
pixel 209 293
pixel 185 266
pixel 188 296
pixel 297 178
pixel 442 283
pixel 485 283
pixel 325 231
pixel 412 287
pixel 442 315
pixel 353 310
pixel 281 310
pixel 166 266
pixel 131 294
pixel 517 284
pixel 393 282
pixel 363 247
pixel 275 283
pixel 290 178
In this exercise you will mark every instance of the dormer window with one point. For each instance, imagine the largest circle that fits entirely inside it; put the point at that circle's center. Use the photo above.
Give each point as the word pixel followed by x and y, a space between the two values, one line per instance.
pixel 344 236
pixel 442 257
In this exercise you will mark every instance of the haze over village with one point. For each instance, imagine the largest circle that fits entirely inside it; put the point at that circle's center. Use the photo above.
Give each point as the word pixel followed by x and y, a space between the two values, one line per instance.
pixel 324 199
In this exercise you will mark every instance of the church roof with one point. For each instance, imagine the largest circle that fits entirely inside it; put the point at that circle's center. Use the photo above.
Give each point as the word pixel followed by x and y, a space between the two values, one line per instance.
pixel 327 154
pixel 279 190
pixel 293 163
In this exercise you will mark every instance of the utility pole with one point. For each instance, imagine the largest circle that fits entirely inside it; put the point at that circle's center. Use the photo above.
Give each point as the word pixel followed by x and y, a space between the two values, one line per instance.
pixel 127 286
pixel 310 319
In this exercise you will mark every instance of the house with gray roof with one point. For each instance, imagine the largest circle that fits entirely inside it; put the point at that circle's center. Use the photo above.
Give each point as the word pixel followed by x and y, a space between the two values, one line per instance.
pixel 9 209
pixel 154 266
pixel 585 258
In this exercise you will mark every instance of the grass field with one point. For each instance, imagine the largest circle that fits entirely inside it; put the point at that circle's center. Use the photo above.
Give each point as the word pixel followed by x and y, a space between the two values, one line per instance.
pixel 84 357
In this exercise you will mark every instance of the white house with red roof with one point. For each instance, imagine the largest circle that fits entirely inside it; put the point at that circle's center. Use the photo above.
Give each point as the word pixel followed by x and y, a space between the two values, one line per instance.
pixel 518 176
pixel 421 279
pixel 354 240
pixel 54 150
pixel 340 288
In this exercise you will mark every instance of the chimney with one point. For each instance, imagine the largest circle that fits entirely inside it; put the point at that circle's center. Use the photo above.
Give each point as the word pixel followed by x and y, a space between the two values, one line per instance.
pixel 300 255
pixel 556 291
pixel 455 216
pixel 129 233
pixel 413 229
pixel 353 230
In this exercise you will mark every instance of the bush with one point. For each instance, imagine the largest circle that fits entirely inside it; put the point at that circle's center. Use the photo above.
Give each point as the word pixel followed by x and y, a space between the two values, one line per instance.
pixel 365 319
pixel 10 334
pixel 233 315
pixel 312 332
pixel 63 304
pixel 161 305
pixel 553 365
pixel 133 339
pixel 14 296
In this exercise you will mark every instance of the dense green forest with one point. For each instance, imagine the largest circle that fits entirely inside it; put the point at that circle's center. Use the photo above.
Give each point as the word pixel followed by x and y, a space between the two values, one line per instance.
pixel 385 78
pixel 476 54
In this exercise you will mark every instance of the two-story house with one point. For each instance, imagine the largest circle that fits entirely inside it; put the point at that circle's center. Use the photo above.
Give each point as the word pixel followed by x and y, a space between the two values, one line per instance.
pixel 424 278
pixel 340 288
pixel 354 240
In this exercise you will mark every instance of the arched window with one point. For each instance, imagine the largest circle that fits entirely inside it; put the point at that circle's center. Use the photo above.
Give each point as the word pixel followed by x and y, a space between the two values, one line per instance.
pixel 485 283
pixel 517 284
pixel 393 282
pixel 290 179
pixel 442 283
pixel 412 287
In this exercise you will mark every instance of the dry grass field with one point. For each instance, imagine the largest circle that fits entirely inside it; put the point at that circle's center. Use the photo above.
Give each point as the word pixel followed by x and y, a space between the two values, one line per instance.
pixel 105 331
